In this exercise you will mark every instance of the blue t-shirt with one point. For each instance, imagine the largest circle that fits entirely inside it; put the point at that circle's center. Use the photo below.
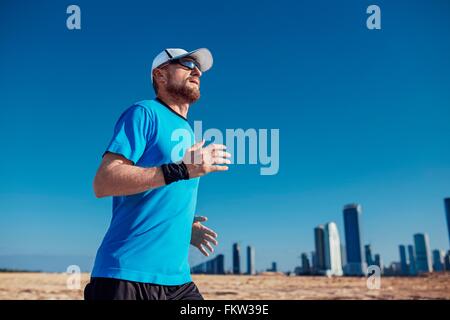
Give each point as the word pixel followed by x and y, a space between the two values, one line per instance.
pixel 149 236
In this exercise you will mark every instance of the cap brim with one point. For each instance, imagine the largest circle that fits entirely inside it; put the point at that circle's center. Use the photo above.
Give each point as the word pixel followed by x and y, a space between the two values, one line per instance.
pixel 202 56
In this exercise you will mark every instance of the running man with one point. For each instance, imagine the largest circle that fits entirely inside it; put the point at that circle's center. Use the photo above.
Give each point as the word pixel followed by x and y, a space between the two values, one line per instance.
pixel 144 254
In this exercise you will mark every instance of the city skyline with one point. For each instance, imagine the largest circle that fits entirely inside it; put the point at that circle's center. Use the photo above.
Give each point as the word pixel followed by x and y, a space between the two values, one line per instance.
pixel 327 259
pixel 426 260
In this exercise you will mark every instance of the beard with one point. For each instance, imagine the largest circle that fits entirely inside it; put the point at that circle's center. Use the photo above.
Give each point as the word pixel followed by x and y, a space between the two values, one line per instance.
pixel 183 92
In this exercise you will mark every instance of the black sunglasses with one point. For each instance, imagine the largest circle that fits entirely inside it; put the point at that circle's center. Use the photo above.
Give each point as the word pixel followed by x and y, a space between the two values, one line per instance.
pixel 190 64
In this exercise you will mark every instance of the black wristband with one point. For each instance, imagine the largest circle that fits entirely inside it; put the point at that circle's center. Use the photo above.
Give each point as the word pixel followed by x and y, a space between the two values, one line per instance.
pixel 174 171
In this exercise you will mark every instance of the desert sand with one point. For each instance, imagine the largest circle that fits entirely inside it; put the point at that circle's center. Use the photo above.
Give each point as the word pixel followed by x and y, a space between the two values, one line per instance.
pixel 50 286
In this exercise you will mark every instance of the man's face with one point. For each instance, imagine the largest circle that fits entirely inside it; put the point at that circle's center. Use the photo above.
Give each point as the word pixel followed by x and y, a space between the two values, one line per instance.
pixel 181 82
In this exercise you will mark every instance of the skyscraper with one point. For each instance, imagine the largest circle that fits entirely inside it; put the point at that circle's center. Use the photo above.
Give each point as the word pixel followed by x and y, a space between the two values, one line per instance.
pixel 368 252
pixel 220 260
pixel 447 213
pixel 319 238
pixel 250 260
pixel 333 263
pixel 313 262
pixel 447 261
pixel 274 267
pixel 379 262
pixel 236 259
pixel 423 254
pixel 343 256
pixel 404 266
pixel 306 267
pixel 412 260
pixel 438 260
pixel 355 259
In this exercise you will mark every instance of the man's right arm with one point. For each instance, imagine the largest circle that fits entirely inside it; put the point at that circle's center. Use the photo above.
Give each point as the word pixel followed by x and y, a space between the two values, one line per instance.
pixel 117 176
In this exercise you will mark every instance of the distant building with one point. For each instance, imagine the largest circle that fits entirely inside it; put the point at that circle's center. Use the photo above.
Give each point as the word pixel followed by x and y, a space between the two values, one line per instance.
pixel 213 266
pixel 298 271
pixel 356 264
pixel 250 260
pixel 438 260
pixel 447 261
pixel 220 264
pixel 319 238
pixel 404 265
pixel 313 263
pixel 412 260
pixel 306 267
pixel 423 254
pixel 379 262
pixel 373 260
pixel 333 262
pixel 447 213
pixel 343 256
pixel 274 267
pixel 368 253
pixel 394 269
pixel 236 259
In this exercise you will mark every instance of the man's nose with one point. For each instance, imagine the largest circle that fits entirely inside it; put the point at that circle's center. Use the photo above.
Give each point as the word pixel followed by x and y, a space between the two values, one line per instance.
pixel 196 71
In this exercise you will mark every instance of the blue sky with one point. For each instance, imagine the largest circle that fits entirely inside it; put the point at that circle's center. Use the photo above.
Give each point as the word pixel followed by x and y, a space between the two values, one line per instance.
pixel 363 117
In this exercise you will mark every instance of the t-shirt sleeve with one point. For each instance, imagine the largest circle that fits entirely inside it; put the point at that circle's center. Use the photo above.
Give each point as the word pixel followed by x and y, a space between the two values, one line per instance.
pixel 133 132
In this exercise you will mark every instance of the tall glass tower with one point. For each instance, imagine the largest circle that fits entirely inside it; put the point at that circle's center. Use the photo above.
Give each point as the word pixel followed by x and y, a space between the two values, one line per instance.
pixel 220 264
pixel 438 260
pixel 404 268
pixel 274 267
pixel 236 259
pixel 368 252
pixel 447 213
pixel 423 254
pixel 379 262
pixel 250 260
pixel 412 260
pixel 319 238
pixel 333 263
pixel 356 265
pixel 306 267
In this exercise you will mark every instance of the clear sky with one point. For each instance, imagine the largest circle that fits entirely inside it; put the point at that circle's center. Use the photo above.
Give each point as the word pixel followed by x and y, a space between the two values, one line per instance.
pixel 364 116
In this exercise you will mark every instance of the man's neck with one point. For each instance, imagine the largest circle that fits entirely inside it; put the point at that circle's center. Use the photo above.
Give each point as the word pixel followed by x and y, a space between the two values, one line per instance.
pixel 181 108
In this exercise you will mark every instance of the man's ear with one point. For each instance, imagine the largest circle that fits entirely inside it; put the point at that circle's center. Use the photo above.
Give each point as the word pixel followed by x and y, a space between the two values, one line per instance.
pixel 159 74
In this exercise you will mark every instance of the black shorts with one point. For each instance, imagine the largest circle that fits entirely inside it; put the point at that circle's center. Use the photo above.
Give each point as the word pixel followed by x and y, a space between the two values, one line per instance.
pixel 116 289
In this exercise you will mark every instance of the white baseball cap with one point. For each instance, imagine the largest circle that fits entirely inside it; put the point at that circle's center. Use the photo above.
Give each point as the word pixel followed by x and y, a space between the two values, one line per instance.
pixel 202 56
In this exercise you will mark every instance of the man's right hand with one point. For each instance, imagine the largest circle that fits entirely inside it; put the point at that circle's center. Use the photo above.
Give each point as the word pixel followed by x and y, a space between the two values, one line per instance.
pixel 201 161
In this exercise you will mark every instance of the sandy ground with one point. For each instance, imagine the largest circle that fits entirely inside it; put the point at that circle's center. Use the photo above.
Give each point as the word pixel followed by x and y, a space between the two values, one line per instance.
pixel 433 286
